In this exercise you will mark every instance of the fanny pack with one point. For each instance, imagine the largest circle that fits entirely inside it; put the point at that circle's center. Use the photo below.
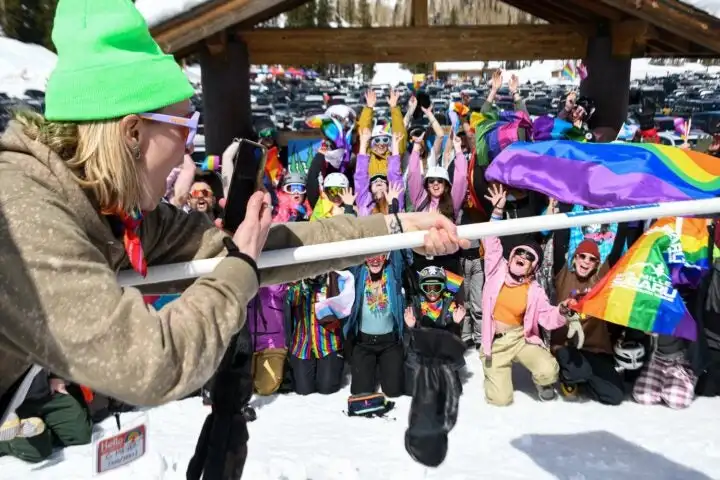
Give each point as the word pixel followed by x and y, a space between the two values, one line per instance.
pixel 370 405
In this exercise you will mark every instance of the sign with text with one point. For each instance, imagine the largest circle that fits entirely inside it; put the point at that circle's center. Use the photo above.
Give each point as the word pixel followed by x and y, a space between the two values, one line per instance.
pixel 112 450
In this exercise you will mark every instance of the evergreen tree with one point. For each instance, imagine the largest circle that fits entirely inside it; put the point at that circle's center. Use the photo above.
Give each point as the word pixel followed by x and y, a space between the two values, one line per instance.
pixel 29 21
pixel 323 13
pixel 368 69
pixel 453 16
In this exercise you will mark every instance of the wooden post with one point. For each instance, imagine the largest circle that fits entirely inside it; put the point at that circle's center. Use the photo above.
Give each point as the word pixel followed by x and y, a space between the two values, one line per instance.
pixel 607 83
pixel 226 95
pixel 419 13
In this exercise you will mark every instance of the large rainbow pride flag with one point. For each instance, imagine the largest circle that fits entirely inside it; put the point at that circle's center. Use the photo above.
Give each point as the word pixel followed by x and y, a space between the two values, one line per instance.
pixel 640 290
pixel 604 175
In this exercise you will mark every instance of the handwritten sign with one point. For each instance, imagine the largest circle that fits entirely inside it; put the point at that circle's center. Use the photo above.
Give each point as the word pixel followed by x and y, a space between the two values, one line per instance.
pixel 112 450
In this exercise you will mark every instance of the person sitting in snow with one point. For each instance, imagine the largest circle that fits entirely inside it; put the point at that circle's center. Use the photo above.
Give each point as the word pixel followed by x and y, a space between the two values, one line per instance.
pixel 587 368
pixel 513 306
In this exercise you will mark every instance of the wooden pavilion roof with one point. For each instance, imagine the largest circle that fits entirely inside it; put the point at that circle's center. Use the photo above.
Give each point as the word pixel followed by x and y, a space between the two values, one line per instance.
pixel 640 28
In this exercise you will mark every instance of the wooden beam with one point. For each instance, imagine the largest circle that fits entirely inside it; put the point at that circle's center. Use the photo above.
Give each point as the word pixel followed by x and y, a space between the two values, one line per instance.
pixel 418 13
pixel 410 45
pixel 194 26
pixel 664 15
pixel 629 39
pixel 597 8
pixel 217 43
pixel 549 13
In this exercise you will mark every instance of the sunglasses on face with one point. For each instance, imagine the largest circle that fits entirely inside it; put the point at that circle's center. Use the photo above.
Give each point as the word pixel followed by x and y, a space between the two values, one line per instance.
pixel 190 123
pixel 586 257
pixel 433 180
pixel 201 193
pixel 429 288
pixel 526 254
pixel 376 261
pixel 380 141
pixel 294 188
pixel 334 191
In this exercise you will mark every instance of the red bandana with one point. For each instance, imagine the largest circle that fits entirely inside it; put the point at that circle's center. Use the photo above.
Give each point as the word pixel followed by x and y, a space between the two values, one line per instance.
pixel 133 247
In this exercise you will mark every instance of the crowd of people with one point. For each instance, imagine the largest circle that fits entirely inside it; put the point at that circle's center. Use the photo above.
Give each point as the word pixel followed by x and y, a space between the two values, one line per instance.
pixel 506 297
pixel 388 318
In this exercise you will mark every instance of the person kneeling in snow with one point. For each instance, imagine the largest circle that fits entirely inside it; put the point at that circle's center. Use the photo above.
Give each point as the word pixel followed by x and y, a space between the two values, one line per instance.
pixel 514 305
pixel 435 357
pixel 590 367
pixel 314 310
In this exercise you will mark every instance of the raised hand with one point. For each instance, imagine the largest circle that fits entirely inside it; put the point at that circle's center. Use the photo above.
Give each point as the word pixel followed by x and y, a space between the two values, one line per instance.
pixel 393 192
pixel 497 196
pixel 496 80
pixel 398 138
pixel 514 83
pixel 393 99
pixel 409 317
pixel 370 99
pixel 459 314
pixel 412 103
pixel 347 196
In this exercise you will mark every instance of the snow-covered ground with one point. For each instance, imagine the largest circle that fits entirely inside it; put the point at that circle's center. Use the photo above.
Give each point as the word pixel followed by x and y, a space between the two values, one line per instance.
pixel 309 438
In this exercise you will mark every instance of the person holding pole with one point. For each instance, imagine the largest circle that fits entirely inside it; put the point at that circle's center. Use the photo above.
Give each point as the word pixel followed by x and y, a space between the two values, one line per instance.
pixel 80 199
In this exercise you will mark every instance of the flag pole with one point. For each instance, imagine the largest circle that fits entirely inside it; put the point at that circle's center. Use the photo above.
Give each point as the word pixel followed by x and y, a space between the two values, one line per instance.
pixel 375 245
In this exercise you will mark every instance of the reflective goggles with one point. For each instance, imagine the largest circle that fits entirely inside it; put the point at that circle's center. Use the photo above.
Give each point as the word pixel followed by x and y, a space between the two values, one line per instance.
pixel 294 188
pixel 432 287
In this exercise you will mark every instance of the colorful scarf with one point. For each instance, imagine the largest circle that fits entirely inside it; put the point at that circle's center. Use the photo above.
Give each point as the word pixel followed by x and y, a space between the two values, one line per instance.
pixel 432 310
pixel 379 302
pixel 131 240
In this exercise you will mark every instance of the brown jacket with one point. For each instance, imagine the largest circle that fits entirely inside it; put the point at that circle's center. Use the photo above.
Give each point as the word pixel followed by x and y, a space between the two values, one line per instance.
pixel 597 337
pixel 62 308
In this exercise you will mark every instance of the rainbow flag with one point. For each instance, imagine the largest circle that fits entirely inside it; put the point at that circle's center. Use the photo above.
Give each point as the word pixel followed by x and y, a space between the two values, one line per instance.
pixel 568 71
pixel 639 293
pixel 692 262
pixel 495 131
pixel 606 175
pixel 273 167
pixel 159 301
pixel 453 282
pixel 211 163
pixel 546 127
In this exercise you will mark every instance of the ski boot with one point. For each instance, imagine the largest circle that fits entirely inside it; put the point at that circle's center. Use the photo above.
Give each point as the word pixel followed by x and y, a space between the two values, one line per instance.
pixel 14 427
pixel 546 393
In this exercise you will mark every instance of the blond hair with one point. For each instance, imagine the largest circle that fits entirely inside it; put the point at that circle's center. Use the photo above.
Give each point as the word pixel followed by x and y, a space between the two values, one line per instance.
pixel 96 153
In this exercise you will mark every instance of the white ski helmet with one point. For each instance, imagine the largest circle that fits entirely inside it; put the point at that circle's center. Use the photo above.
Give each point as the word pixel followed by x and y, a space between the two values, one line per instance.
pixel 629 355
pixel 336 180
pixel 438 172
pixel 381 131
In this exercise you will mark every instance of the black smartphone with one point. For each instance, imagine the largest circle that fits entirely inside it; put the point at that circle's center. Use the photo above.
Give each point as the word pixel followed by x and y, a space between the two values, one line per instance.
pixel 247 178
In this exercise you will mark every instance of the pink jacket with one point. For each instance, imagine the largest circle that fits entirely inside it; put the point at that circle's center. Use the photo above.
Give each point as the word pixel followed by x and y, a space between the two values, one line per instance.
pixel 539 311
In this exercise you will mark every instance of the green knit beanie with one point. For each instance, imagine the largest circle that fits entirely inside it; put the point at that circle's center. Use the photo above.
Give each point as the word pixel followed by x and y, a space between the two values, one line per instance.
pixel 108 64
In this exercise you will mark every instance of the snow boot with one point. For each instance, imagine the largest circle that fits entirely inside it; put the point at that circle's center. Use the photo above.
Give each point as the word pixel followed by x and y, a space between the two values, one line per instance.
pixel 570 393
pixel 14 427
pixel 546 393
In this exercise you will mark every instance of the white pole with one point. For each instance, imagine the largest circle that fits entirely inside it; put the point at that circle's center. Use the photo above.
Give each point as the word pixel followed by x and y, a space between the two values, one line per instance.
pixel 374 245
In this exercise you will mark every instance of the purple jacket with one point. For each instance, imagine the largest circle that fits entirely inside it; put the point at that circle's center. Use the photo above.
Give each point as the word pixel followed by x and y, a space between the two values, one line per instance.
pixel 364 198
pixel 416 184
pixel 266 318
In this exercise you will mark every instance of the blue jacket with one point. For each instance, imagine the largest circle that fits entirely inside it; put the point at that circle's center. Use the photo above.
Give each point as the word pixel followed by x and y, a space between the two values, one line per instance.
pixel 396 298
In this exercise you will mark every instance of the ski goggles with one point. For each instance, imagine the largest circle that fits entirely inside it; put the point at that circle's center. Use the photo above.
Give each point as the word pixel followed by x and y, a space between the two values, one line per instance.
pixel 526 254
pixel 190 123
pixel 334 191
pixel 294 188
pixel 432 287
pixel 384 140
pixel 379 179
pixel 201 193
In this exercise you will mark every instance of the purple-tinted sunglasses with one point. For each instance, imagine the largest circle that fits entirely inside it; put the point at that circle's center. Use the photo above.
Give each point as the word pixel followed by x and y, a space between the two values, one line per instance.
pixel 191 123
